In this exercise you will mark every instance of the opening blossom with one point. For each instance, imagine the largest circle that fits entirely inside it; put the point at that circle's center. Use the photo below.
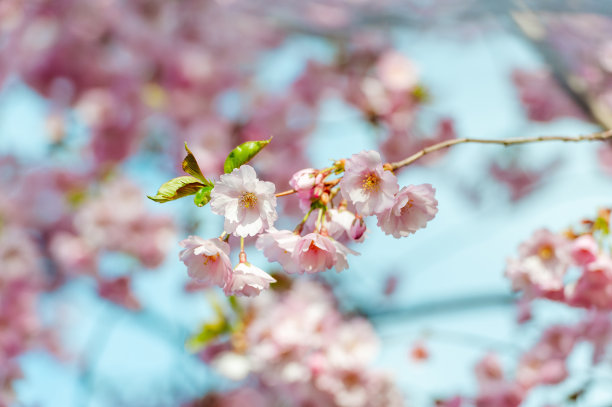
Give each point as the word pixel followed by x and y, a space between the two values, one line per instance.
pixel 247 203
pixel 278 245
pixel 315 252
pixel 304 182
pixel 367 185
pixel 412 208
pixel 248 280
pixel 207 260
pixel 542 264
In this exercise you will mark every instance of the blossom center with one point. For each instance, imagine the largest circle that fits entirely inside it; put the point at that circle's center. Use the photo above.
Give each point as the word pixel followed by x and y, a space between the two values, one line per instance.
pixel 313 248
pixel 406 208
pixel 546 252
pixel 212 258
pixel 248 200
pixel 371 182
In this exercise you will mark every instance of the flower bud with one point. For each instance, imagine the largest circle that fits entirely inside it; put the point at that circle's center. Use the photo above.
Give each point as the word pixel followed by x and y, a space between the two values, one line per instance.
pixel 358 228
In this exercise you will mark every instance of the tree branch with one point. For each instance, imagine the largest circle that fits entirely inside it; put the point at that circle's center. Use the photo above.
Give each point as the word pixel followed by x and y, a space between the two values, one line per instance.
pixel 600 136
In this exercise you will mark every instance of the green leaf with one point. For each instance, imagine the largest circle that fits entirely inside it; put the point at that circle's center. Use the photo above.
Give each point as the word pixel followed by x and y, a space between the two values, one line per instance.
pixel 243 154
pixel 602 224
pixel 177 188
pixel 191 167
pixel 202 197
pixel 208 333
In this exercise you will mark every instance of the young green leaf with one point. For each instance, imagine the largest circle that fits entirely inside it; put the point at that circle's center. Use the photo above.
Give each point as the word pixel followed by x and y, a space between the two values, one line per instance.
pixel 191 167
pixel 177 188
pixel 202 197
pixel 207 333
pixel 243 154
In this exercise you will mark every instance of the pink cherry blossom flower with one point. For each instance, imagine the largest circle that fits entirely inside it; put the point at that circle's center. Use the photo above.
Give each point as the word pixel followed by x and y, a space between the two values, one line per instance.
pixel 72 254
pixel 413 207
pixel 543 262
pixel 247 280
pixel 19 256
pixel 594 287
pixel 278 245
pixel 494 389
pixel 119 291
pixel 584 250
pixel 545 363
pixel 542 96
pixel 366 184
pixel 247 203
pixel 597 329
pixel 344 226
pixel 314 253
pixel 396 72
pixel 207 260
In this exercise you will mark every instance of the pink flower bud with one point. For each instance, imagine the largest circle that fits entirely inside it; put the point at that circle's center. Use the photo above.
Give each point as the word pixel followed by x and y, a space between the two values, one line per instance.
pixel 584 250
pixel 304 180
pixel 247 280
pixel 307 183
pixel 358 228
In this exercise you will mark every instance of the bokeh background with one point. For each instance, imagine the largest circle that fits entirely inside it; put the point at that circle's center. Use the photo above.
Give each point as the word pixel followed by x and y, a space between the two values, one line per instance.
pixel 107 91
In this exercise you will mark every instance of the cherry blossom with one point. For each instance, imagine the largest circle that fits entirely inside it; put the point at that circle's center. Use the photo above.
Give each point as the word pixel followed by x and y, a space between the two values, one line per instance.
pixel 314 253
pixel 584 250
pixel 207 260
pixel 544 260
pixel 367 185
pixel 412 208
pixel 247 203
pixel 247 280
pixel 279 245
pixel 397 72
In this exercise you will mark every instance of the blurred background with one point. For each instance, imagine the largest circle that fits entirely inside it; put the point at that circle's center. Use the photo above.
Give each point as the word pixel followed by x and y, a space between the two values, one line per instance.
pixel 96 103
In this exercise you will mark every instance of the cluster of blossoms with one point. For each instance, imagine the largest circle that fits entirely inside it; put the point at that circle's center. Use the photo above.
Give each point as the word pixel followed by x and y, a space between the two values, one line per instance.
pixel 543 272
pixel 141 75
pixel 158 70
pixel 544 364
pixel 20 285
pixel 296 348
pixel 545 259
pixel 248 206
pixel 56 226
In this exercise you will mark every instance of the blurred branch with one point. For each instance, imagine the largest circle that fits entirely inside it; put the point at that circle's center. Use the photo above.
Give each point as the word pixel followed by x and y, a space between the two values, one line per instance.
pixel 295 16
pixel 532 28
pixel 457 304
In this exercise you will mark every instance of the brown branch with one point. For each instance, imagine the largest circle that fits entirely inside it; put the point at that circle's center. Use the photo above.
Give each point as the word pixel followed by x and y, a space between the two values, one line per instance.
pixel 285 193
pixel 600 136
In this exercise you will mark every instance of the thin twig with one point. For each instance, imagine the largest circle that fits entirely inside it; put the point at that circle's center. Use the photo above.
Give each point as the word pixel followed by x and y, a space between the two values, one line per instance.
pixel 285 193
pixel 600 136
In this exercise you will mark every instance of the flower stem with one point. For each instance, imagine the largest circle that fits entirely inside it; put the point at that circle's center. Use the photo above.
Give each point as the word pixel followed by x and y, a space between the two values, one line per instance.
pixel 298 228
pixel 319 220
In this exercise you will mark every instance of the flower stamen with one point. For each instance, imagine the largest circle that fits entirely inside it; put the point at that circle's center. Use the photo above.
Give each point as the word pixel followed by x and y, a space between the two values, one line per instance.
pixel 371 182
pixel 546 252
pixel 212 259
pixel 248 200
